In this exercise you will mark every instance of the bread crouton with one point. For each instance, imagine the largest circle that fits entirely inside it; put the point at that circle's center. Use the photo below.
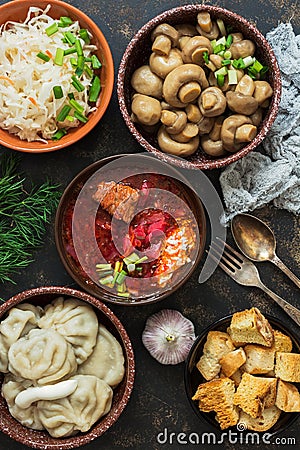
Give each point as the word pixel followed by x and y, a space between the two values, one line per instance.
pixel 282 342
pixel 232 361
pixel 250 327
pixel 264 422
pixel 252 392
pixel 288 397
pixel 287 366
pixel 217 395
pixel 259 360
pixel 217 345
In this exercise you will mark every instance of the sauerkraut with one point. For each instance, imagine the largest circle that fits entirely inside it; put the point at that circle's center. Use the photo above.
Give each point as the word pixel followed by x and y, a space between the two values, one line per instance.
pixel 28 104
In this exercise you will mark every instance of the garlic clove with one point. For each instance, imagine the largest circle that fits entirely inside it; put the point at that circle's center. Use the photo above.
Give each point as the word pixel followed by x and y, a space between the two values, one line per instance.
pixel 168 336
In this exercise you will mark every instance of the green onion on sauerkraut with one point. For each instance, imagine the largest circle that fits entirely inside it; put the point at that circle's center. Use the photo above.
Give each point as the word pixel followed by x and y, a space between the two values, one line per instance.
pixel 47 68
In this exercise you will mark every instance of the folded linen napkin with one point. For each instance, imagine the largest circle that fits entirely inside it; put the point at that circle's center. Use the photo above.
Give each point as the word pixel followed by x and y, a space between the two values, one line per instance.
pixel 273 177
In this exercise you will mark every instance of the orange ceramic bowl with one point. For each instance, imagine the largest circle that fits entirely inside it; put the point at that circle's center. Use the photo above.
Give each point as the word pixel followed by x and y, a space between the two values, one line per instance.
pixel 17 11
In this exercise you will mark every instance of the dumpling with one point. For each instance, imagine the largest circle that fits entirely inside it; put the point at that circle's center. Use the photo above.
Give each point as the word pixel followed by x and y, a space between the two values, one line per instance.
pixel 43 356
pixel 76 321
pixel 19 322
pixel 28 417
pixel 107 360
pixel 79 411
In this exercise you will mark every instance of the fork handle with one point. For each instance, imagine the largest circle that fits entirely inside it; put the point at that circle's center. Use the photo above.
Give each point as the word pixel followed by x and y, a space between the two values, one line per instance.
pixel 293 312
pixel 286 270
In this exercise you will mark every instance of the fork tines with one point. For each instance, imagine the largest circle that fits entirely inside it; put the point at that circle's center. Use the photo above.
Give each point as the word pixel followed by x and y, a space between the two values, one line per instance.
pixel 232 259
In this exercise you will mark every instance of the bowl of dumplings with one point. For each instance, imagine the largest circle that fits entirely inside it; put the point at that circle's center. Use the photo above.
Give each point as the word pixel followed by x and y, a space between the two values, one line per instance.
pixel 67 368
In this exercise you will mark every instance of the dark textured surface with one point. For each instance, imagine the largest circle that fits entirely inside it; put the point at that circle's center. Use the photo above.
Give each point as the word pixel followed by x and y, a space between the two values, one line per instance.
pixel 158 400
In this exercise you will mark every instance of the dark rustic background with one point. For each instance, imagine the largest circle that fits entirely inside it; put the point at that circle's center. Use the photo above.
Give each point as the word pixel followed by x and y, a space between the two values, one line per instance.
pixel 158 400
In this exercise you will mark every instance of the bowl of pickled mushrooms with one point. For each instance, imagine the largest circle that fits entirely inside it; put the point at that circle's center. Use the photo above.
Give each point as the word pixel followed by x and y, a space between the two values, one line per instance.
pixel 201 83
pixel 67 368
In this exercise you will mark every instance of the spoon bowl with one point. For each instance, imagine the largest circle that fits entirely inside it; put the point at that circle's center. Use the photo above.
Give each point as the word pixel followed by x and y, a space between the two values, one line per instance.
pixel 257 241
pixel 253 237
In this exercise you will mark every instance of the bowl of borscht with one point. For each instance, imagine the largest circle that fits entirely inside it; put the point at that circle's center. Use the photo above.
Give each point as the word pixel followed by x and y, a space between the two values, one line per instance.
pixel 130 229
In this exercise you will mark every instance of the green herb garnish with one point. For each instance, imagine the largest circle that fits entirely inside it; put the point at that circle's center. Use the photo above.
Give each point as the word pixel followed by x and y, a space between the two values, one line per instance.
pixel 24 213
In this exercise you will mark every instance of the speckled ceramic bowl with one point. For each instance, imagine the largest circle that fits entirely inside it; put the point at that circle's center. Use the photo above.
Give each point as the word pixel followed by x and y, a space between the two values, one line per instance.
pixel 138 52
pixel 193 378
pixel 17 11
pixel 40 439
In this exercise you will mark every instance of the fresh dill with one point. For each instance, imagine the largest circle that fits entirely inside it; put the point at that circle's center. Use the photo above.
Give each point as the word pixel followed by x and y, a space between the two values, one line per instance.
pixel 24 213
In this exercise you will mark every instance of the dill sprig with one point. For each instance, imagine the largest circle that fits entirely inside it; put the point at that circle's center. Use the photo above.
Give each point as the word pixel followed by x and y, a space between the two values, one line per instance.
pixel 24 214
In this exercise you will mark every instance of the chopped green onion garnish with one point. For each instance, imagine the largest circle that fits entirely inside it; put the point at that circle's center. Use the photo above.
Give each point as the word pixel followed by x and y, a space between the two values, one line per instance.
pixel 121 277
pixel 222 71
pixel 80 109
pixel 213 43
pixel 248 61
pixel 71 95
pixel 63 113
pixel 226 62
pixel 219 48
pixel 78 72
pixel 58 92
pixel 232 76
pixel 96 64
pixel 227 54
pixel 95 89
pixel 228 41
pixel 257 66
pixel 65 21
pixel 76 83
pixel 220 80
pixel 221 41
pixel 80 65
pixel 53 28
pixel 121 287
pixel 69 51
pixel 78 47
pixel 131 267
pixel 84 35
pixel 59 134
pixel 59 57
pixel 105 266
pixel 141 260
pixel 71 39
pixel 89 72
pixel 80 117
pixel 238 63
pixel 70 118
pixel 106 280
pixel 124 294
pixel 43 56
pixel 205 57
pixel 131 259
pixel 73 62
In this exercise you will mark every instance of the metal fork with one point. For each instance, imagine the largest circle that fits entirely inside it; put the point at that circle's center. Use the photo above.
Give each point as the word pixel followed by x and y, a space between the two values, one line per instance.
pixel 244 272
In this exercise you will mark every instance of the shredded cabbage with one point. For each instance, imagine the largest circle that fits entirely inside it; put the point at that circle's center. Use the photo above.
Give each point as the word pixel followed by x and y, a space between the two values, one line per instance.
pixel 28 107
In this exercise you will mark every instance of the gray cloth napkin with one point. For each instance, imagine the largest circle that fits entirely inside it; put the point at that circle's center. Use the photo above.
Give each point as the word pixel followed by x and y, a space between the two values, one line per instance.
pixel 258 179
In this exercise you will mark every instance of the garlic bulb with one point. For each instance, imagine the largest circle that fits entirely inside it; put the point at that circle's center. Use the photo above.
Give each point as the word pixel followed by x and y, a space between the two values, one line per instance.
pixel 168 336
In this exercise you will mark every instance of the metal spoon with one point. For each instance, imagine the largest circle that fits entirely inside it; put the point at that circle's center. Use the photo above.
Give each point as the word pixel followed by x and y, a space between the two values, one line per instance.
pixel 257 241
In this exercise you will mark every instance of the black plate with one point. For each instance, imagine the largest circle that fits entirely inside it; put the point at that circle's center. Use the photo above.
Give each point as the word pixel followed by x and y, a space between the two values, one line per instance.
pixel 192 376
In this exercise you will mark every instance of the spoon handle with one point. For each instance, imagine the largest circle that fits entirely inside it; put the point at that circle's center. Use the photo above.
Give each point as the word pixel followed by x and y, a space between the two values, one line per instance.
pixel 293 312
pixel 286 270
